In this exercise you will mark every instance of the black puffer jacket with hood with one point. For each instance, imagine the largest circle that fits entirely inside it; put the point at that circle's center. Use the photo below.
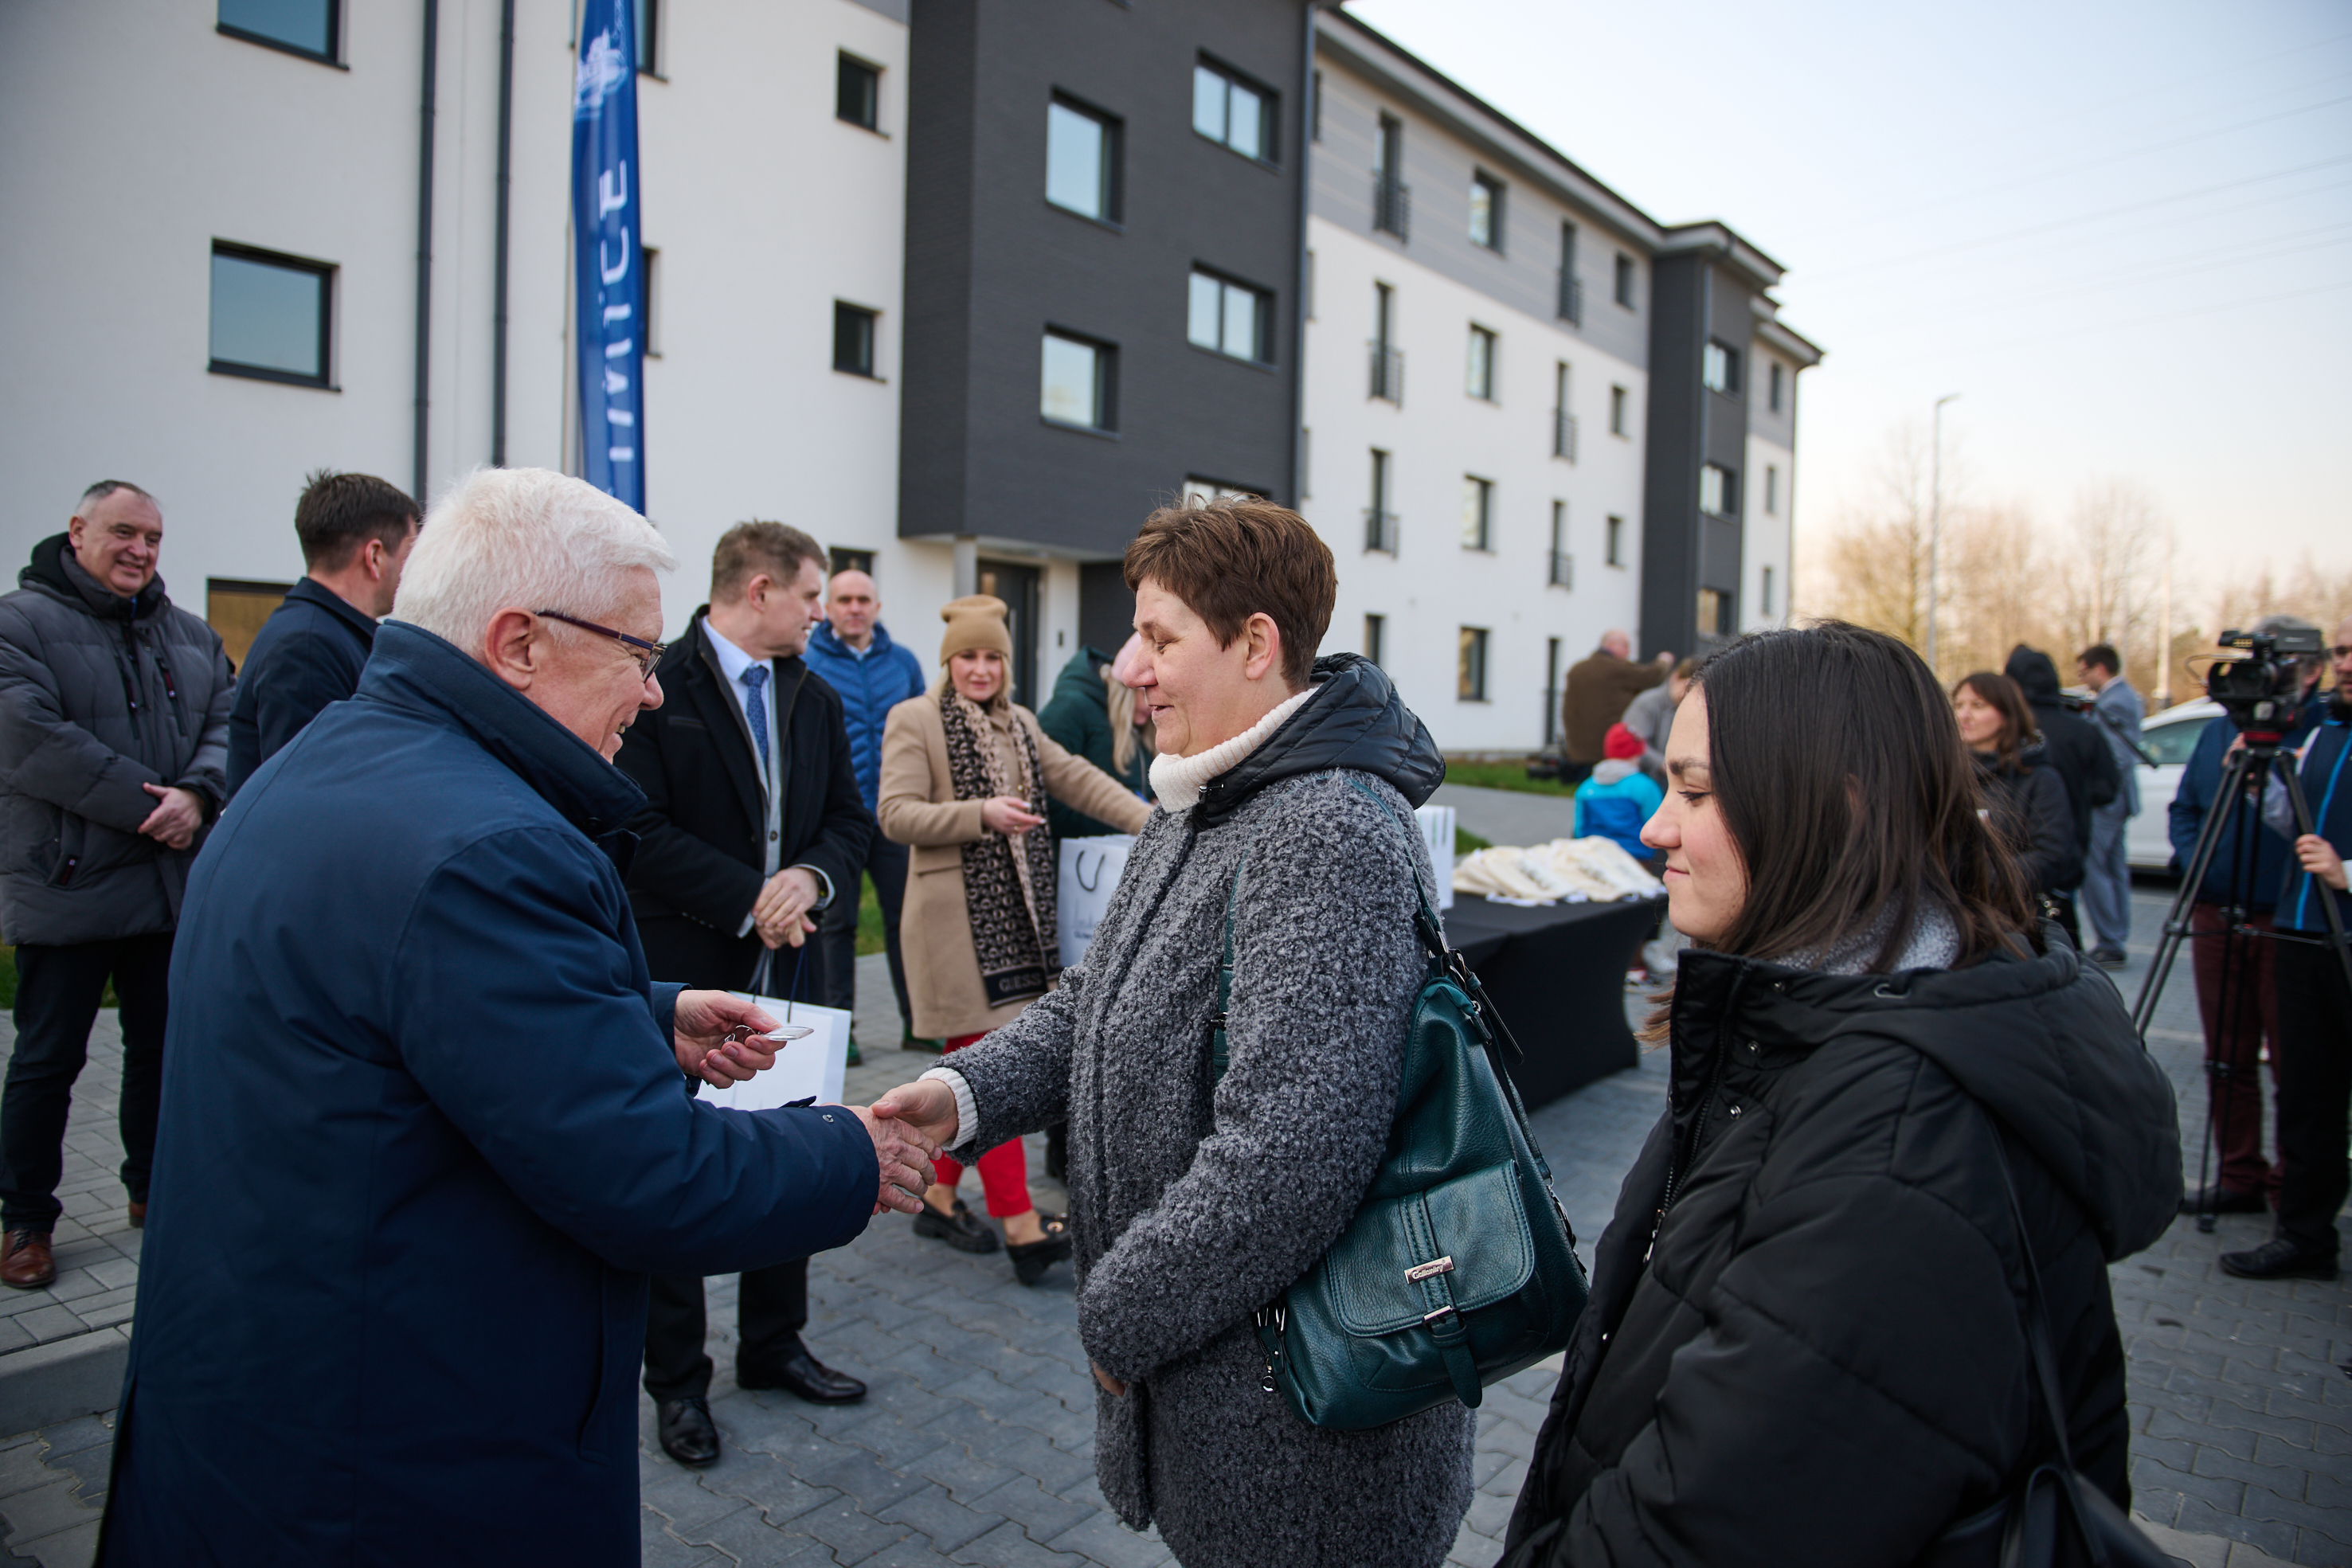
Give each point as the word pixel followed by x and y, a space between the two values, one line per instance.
pixel 2076 746
pixel 1820 1357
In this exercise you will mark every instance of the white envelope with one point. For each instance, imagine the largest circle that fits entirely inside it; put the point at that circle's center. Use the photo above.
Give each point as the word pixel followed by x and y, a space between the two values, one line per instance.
pixel 807 1067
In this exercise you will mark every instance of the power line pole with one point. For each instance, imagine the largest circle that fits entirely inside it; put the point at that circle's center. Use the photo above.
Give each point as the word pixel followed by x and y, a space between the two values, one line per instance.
pixel 1936 525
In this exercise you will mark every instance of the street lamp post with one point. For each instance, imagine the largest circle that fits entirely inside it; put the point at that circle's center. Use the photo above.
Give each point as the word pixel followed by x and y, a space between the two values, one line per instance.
pixel 1936 523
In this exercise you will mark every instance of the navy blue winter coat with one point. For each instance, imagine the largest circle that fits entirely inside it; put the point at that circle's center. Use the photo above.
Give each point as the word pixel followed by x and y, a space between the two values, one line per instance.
pixel 423 1136
pixel 869 687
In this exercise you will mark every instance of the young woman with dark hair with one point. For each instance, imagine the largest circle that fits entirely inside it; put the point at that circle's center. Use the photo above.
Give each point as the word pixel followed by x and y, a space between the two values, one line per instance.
pixel 2024 794
pixel 1806 1341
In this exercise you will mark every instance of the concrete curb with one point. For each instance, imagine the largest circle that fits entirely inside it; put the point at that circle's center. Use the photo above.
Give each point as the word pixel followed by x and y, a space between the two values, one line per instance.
pixel 78 1375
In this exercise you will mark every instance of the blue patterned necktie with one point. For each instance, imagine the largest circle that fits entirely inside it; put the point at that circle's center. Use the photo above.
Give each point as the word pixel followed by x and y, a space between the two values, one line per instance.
pixel 756 711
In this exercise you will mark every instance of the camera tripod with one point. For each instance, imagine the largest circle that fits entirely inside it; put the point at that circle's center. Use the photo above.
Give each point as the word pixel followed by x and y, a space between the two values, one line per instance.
pixel 2245 776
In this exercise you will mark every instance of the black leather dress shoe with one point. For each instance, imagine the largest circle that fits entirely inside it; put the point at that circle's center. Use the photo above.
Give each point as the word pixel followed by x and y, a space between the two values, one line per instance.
pixel 2219 1200
pixel 805 1376
pixel 961 1229
pixel 2278 1258
pixel 686 1430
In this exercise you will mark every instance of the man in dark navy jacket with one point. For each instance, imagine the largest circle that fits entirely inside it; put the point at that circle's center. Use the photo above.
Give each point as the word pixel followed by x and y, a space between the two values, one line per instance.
pixel 751 828
pixel 423 1098
pixel 356 531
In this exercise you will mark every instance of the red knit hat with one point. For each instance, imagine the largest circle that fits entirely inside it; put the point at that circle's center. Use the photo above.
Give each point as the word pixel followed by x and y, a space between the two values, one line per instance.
pixel 1620 743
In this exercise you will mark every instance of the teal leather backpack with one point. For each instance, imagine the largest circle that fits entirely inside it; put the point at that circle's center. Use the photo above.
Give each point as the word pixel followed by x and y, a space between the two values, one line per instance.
pixel 1459 1268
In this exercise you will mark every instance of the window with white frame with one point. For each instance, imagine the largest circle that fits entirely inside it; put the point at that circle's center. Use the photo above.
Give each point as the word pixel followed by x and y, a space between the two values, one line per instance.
pixel 1477 513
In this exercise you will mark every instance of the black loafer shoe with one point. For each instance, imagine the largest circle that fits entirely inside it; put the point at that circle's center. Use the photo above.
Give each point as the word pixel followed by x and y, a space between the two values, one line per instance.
pixel 1031 1259
pixel 805 1377
pixel 687 1433
pixel 961 1229
pixel 2219 1200
pixel 2278 1258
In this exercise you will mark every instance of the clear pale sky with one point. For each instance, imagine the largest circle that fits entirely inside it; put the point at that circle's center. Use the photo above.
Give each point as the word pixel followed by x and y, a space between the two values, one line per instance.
pixel 2122 232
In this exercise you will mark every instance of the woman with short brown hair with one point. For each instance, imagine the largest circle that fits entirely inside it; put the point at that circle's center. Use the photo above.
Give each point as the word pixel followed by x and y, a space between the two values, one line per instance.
pixel 1286 786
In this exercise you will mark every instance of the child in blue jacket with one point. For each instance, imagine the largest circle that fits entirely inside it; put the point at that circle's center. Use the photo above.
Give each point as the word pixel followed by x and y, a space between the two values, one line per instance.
pixel 1619 797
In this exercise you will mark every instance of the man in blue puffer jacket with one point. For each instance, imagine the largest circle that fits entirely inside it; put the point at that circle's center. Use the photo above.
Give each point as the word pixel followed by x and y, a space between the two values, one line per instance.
pixel 853 654
pixel 1619 797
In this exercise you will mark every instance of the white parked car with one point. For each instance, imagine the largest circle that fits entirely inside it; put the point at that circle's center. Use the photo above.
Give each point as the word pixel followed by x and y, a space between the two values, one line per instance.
pixel 2170 737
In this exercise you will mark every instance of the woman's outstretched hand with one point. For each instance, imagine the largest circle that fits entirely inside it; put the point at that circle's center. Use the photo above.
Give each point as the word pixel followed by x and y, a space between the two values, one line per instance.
pixel 1008 814
pixel 928 1108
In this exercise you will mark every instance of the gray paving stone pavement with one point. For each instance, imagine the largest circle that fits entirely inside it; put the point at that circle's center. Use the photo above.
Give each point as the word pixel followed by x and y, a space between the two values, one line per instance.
pixel 975 1446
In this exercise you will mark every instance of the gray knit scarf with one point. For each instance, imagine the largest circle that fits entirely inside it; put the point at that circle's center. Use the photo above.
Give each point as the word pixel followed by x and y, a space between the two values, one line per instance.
pixel 1008 887
pixel 1932 943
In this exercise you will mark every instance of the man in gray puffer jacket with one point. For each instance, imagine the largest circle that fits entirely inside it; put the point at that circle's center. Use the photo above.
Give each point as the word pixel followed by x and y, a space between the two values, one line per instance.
pixel 113 750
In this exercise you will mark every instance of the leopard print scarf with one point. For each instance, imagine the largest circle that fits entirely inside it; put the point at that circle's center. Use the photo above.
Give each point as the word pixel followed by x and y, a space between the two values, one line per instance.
pixel 1008 883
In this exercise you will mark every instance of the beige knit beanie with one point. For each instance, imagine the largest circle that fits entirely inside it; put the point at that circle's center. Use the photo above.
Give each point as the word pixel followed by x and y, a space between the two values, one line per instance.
pixel 975 621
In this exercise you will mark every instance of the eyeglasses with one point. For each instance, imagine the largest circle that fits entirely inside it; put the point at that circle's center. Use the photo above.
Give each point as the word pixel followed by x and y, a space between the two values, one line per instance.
pixel 647 655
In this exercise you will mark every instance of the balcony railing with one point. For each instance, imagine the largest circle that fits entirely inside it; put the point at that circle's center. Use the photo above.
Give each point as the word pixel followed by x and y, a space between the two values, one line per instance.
pixel 1563 571
pixel 1388 372
pixel 1391 206
pixel 1563 434
pixel 1571 299
pixel 1379 530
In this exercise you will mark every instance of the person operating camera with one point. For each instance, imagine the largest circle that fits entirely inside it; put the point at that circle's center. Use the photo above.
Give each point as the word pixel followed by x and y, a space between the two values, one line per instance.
pixel 2314 1006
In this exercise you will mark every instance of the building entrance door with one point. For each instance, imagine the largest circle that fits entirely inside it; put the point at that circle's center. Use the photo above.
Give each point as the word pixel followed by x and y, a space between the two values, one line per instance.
pixel 1017 586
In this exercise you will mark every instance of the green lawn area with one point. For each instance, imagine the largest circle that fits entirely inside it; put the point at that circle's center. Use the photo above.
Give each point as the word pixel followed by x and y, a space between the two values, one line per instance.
pixel 1467 843
pixel 1503 776
pixel 869 918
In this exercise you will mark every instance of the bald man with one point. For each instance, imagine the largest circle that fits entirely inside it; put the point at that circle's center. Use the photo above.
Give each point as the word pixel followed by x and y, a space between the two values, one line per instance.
pixel 1600 688
pixel 853 654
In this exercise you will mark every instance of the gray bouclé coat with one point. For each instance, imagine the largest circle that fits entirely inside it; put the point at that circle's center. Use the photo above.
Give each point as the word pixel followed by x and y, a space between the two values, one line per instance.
pixel 1192 1210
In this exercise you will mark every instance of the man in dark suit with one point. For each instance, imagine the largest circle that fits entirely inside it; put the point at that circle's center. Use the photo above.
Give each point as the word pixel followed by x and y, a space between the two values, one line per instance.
pixel 752 824
pixel 356 531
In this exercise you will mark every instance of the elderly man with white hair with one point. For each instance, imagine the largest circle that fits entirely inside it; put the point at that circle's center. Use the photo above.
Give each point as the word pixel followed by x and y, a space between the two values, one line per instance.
pixel 427 1121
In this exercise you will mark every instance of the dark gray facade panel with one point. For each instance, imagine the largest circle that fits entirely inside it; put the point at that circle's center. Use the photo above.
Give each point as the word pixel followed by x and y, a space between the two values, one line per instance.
pixel 1438 167
pixel 1670 516
pixel 1105 605
pixel 934 394
pixel 1029 265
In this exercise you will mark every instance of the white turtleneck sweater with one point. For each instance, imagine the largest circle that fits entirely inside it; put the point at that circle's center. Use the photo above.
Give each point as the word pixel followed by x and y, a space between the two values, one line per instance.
pixel 1177 781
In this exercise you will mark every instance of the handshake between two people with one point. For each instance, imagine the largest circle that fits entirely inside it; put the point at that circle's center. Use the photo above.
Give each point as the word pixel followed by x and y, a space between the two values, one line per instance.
pixel 719 1038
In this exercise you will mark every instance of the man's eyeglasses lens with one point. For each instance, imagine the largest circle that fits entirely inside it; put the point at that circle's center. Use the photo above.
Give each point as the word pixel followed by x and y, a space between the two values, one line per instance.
pixel 647 655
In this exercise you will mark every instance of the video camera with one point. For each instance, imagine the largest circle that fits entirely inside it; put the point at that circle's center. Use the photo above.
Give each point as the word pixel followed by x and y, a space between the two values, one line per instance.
pixel 2261 689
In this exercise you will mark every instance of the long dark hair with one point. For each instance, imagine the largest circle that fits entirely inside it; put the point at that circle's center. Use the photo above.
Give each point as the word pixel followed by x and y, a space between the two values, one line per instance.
pixel 1844 783
pixel 2007 699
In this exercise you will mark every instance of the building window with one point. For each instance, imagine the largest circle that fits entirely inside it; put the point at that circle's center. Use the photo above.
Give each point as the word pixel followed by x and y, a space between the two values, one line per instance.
pixel 1388 360
pixel 1481 381
pixel 1617 406
pixel 1477 513
pixel 1470 665
pixel 1205 491
pixel 853 339
pixel 1380 523
pixel 1775 384
pixel 648 20
pixel 1078 382
pixel 1714 612
pixel 1391 198
pixel 271 316
pixel 1615 543
pixel 1230 318
pixel 298 26
pixel 1572 292
pixel 1233 113
pixel 1718 490
pixel 1624 280
pixel 857 93
pixel 1082 161
pixel 1487 211
pixel 1719 368
pixel 1563 572
pixel 1376 629
pixel 1563 423
pixel 845 558
pixel 1767 593
pixel 1771 494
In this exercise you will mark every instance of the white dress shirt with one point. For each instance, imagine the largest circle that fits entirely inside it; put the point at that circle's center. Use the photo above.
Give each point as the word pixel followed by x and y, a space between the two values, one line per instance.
pixel 732 661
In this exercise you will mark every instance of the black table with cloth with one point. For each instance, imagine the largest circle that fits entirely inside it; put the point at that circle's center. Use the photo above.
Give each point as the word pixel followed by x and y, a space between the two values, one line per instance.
pixel 1556 974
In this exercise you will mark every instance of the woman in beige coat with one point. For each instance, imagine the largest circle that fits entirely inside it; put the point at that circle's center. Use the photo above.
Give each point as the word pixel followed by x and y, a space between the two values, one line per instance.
pixel 965 776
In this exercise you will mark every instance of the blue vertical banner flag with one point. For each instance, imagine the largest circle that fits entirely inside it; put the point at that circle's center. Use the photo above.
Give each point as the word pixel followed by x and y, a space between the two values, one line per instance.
pixel 609 260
